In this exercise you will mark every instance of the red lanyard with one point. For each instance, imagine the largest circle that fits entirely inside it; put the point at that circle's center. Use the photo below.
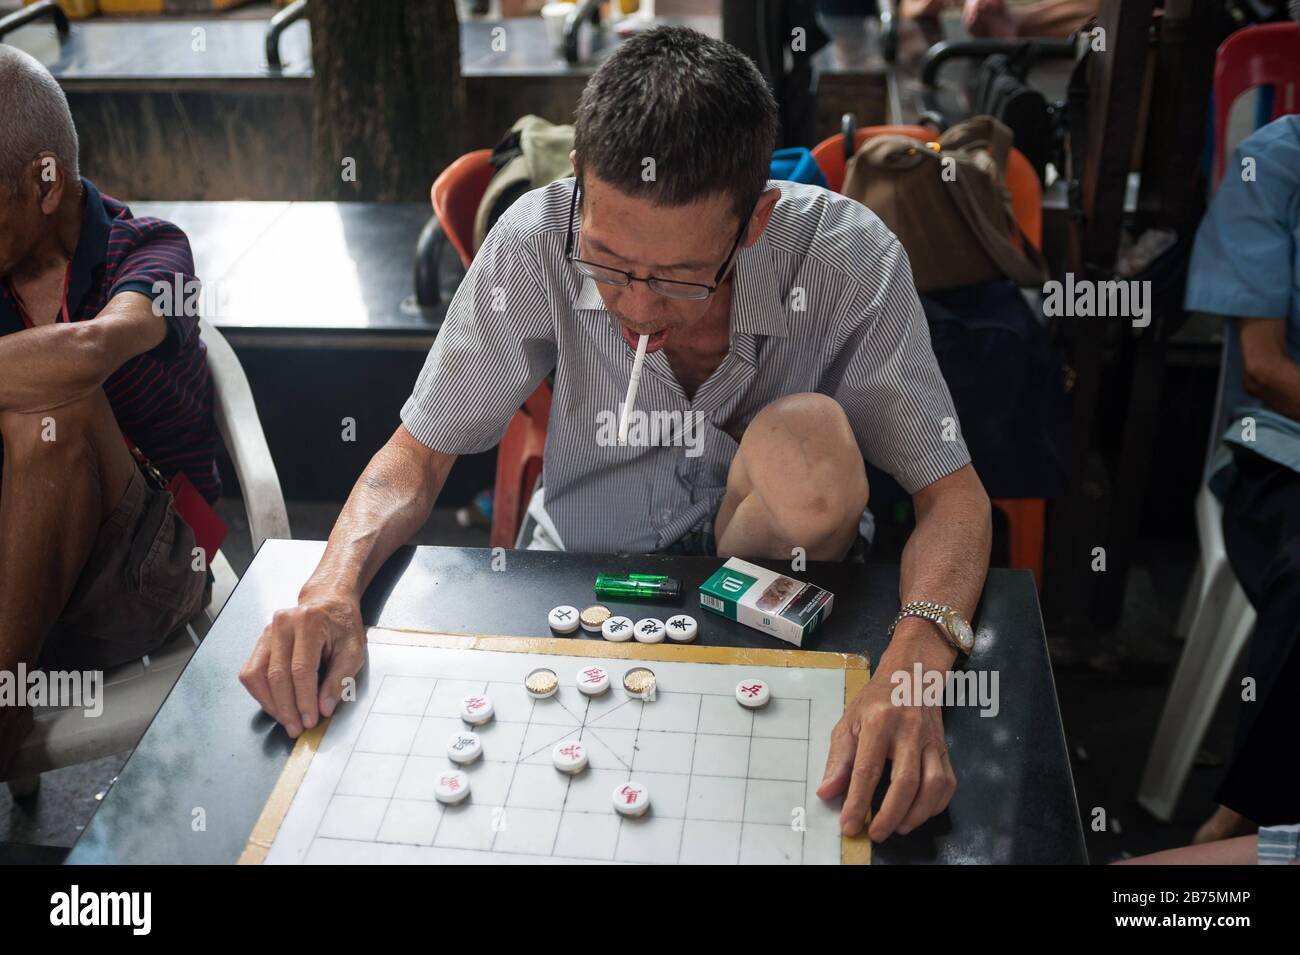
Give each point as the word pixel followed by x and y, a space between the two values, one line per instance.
pixel 63 316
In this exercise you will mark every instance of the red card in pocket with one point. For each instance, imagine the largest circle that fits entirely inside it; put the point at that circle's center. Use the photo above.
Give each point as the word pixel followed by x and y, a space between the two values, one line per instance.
pixel 209 529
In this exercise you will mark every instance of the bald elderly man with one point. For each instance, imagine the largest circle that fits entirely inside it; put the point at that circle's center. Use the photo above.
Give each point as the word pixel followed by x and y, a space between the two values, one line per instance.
pixel 96 565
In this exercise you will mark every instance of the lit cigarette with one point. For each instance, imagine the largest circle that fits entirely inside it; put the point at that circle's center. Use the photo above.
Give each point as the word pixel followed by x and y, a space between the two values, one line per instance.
pixel 633 384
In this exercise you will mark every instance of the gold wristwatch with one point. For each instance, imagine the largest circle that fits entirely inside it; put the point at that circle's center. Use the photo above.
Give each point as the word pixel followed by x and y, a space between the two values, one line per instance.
pixel 954 626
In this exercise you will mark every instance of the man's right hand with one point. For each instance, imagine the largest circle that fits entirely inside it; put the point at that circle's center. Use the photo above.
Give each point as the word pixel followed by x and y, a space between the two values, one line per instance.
pixel 282 671
pixel 390 502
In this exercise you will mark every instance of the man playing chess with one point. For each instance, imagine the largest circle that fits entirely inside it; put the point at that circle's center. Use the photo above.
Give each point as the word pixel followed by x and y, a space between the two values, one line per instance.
pixel 782 323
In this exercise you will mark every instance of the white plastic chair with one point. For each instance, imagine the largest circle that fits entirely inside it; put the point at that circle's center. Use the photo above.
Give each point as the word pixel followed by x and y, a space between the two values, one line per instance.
pixel 133 692
pixel 1217 620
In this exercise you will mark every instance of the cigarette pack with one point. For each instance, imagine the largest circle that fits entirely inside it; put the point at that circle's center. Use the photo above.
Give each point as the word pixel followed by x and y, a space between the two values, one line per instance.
pixel 786 608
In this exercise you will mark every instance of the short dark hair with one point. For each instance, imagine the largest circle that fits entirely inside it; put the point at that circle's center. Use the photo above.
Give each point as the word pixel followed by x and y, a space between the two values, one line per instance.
pixel 698 106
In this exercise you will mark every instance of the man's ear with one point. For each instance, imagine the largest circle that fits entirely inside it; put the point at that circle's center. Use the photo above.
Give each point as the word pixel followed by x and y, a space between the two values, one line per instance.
pixel 573 159
pixel 50 181
pixel 762 213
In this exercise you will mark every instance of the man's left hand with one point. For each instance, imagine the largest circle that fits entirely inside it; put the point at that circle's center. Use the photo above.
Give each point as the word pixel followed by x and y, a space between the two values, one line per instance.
pixel 875 729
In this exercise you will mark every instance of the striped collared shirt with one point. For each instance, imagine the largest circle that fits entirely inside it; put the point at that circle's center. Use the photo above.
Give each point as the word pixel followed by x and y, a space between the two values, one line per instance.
pixel 823 302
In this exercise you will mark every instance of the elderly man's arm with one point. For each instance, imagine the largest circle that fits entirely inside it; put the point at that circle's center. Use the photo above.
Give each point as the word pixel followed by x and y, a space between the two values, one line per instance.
pixel 1268 370
pixel 1047 18
pixel 51 365
pixel 947 557
pixel 390 502
pixel 478 373
pixel 945 561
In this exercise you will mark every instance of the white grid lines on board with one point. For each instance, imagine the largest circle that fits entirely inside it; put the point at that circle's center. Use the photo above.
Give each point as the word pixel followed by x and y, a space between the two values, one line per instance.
pixel 720 790
pixel 667 746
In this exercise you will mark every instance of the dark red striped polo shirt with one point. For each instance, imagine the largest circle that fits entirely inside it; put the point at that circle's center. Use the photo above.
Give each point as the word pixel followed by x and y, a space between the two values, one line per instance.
pixel 163 398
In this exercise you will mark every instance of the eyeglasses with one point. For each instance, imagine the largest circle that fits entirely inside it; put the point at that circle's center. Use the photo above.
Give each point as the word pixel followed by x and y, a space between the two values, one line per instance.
pixel 668 288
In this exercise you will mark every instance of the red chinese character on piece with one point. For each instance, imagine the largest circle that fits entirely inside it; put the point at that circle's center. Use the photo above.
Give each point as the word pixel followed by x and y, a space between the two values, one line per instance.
pixel 630 794
pixel 451 782
pixel 592 675
pixel 752 690
pixel 474 703
pixel 572 750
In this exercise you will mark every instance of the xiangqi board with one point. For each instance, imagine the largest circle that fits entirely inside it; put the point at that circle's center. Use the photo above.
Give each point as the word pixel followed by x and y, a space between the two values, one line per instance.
pixel 724 782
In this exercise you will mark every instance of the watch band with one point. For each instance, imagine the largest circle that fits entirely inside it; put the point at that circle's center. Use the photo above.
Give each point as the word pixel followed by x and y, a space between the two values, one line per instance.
pixel 935 613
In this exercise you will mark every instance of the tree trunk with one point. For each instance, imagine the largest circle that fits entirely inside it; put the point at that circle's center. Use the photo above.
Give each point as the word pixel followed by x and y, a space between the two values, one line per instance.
pixel 387 98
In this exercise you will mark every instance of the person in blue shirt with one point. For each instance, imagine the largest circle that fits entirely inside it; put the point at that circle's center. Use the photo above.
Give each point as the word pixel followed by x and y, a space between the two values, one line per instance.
pixel 1246 267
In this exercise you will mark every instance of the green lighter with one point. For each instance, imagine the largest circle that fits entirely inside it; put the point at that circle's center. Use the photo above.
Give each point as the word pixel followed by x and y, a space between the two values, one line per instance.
pixel 637 587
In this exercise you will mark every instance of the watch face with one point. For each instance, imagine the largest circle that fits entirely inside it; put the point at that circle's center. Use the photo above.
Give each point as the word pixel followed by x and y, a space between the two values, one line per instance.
pixel 962 631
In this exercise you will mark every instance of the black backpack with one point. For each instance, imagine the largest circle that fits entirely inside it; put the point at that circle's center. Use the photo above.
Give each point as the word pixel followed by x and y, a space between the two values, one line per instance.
pixel 1001 91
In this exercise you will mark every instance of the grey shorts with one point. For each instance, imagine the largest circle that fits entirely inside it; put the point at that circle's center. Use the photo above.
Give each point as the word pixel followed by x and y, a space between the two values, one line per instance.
pixel 697 542
pixel 700 542
pixel 137 588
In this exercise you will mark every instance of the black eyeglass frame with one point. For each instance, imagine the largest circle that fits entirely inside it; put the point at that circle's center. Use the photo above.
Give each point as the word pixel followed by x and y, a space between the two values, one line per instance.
pixel 709 290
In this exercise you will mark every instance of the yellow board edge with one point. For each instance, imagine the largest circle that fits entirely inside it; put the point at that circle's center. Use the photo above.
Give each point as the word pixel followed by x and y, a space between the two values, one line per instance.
pixel 286 787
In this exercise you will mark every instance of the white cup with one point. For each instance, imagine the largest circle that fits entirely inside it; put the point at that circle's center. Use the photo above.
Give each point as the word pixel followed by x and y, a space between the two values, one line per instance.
pixel 554 15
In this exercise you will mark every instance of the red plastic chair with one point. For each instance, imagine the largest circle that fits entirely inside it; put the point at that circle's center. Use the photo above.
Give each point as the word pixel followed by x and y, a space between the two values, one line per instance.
pixel 1026 517
pixel 519 466
pixel 1263 55
pixel 456 194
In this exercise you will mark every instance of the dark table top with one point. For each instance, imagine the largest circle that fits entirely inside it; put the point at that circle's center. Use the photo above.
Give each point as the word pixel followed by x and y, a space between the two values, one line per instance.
pixel 109 51
pixel 306 267
pixel 854 45
pixel 158 51
pixel 527 51
pixel 211 748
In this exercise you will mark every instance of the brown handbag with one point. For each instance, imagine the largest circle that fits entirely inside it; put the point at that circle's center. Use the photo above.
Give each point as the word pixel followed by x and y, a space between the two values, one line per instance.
pixel 953 218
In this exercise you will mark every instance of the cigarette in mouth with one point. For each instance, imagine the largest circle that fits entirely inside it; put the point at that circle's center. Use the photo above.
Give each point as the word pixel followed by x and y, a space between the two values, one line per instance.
pixel 633 384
